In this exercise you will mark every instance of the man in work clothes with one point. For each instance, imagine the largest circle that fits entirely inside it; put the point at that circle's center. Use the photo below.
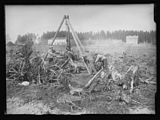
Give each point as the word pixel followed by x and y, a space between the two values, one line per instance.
pixel 71 57
pixel 70 54
pixel 103 59
pixel 51 54
pixel 90 62
pixel 104 65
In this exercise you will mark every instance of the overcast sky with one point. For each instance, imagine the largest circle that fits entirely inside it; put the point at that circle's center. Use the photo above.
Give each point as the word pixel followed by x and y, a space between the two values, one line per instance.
pixel 39 19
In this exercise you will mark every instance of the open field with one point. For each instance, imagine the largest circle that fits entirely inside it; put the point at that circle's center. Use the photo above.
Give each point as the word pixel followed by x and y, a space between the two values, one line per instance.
pixel 42 99
pixel 107 46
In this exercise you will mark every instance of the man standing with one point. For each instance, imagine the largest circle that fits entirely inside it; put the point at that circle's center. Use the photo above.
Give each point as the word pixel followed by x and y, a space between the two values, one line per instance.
pixel 90 62
pixel 51 54
pixel 103 60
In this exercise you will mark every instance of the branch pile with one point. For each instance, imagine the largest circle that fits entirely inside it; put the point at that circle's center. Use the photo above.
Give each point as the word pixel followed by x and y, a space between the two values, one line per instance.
pixel 25 64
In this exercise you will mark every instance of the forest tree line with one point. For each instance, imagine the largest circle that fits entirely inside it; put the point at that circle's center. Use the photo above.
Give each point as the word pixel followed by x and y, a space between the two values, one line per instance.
pixel 147 37
pixel 143 36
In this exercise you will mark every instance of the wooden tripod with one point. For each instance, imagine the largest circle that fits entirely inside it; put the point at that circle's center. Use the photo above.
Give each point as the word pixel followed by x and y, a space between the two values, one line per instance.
pixel 75 37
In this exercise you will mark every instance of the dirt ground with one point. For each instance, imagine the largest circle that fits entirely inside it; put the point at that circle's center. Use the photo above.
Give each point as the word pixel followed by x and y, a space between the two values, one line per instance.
pixel 16 105
pixel 37 99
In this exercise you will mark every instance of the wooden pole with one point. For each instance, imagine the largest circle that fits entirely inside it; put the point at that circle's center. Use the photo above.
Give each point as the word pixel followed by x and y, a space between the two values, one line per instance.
pixel 58 30
pixel 77 37
pixel 78 46
pixel 74 38
pixel 56 35
pixel 68 36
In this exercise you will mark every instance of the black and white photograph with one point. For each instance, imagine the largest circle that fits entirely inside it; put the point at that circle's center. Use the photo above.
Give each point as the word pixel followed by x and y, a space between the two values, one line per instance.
pixel 80 59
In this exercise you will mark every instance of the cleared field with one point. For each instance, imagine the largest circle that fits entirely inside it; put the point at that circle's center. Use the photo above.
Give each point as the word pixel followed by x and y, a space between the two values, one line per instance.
pixel 42 99
pixel 107 46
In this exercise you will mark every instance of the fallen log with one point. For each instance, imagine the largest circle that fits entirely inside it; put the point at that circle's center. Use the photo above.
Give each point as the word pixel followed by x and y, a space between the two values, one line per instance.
pixel 79 90
pixel 147 81
pixel 65 63
pixel 90 81
pixel 152 82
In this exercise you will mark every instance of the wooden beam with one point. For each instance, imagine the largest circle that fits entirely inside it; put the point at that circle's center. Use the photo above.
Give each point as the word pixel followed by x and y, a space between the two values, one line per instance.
pixel 77 38
pixel 55 35
pixel 68 37
pixel 58 30
pixel 80 43
pixel 78 46
pixel 89 82
pixel 74 38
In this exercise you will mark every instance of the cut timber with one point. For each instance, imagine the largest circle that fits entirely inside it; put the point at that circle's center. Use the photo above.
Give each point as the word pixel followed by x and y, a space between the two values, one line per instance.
pixel 147 81
pixel 89 82
pixel 73 90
